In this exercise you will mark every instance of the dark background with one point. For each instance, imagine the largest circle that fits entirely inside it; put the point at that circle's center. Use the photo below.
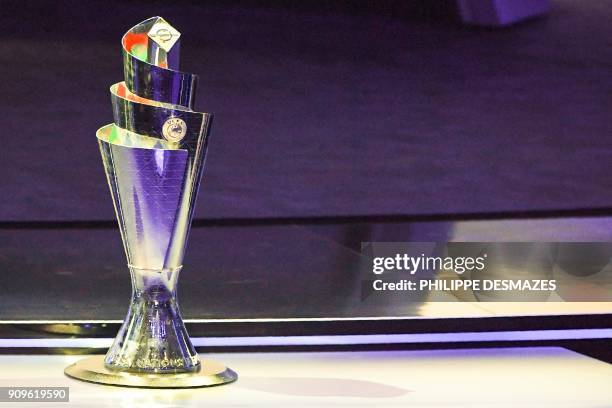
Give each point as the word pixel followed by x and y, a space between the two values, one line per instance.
pixel 322 108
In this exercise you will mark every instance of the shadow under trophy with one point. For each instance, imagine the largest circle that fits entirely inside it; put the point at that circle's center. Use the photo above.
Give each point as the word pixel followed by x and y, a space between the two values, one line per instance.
pixel 153 155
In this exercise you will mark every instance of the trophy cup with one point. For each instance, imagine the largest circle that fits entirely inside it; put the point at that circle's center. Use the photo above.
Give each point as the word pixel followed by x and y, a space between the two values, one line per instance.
pixel 153 155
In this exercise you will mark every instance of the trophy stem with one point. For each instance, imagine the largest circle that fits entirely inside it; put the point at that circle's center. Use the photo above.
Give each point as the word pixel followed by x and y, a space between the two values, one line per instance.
pixel 153 338
pixel 152 349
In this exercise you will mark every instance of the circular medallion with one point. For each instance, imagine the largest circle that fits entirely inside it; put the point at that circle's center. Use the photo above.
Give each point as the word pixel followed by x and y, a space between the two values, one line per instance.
pixel 174 129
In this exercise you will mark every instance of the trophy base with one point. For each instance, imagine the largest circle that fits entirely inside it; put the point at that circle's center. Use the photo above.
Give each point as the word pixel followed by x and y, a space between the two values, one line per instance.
pixel 92 370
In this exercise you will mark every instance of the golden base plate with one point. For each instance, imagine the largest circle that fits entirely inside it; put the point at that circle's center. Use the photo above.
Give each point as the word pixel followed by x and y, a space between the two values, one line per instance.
pixel 92 369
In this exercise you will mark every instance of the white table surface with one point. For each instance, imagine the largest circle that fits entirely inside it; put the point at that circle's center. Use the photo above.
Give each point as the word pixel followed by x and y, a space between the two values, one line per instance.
pixel 512 377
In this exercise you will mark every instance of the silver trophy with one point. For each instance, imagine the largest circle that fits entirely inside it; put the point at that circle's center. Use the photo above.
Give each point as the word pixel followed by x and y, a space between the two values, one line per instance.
pixel 153 155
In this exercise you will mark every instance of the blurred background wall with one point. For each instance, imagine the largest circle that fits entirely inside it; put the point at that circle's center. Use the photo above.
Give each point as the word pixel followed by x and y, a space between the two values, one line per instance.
pixel 322 107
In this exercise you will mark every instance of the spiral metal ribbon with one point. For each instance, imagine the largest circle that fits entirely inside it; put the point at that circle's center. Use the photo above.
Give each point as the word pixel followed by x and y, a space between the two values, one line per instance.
pixel 154 151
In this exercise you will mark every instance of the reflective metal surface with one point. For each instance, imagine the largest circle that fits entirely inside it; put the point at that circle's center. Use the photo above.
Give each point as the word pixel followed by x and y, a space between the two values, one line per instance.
pixel 150 63
pixel 153 155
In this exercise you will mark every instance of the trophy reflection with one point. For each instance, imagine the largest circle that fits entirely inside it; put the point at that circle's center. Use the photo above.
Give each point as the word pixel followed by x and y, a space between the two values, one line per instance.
pixel 153 156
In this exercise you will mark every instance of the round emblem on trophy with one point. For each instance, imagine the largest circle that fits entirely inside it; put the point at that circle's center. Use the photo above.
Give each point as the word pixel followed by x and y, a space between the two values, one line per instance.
pixel 174 129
